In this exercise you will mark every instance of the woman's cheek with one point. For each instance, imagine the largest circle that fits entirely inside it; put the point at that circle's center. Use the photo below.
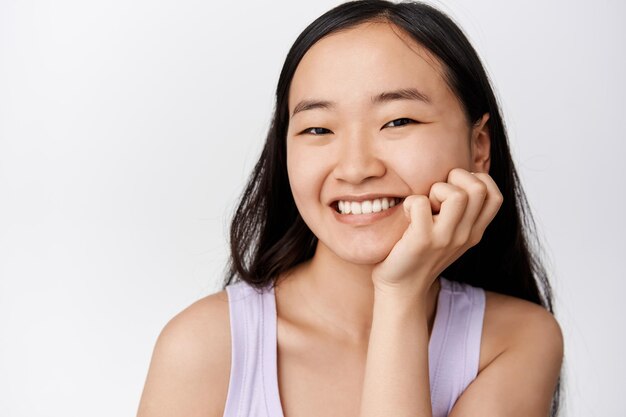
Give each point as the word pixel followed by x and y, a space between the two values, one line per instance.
pixel 304 168
pixel 420 167
pixel 437 150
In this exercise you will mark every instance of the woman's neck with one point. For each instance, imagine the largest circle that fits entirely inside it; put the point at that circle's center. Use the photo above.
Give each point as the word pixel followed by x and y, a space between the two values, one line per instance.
pixel 335 297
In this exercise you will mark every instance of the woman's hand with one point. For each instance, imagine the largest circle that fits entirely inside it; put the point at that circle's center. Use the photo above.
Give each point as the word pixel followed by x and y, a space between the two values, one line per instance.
pixel 442 226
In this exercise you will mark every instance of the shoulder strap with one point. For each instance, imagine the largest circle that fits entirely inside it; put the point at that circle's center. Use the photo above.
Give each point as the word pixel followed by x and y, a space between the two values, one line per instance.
pixel 253 338
pixel 457 352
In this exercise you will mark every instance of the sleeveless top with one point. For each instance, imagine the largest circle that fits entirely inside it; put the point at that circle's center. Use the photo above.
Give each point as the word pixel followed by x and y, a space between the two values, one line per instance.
pixel 453 349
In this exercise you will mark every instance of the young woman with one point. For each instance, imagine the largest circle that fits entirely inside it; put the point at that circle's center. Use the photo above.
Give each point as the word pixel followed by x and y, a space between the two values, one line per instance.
pixel 381 245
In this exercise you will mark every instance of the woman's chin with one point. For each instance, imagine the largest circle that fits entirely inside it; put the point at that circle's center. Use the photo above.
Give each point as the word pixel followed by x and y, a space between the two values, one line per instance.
pixel 364 256
pixel 362 250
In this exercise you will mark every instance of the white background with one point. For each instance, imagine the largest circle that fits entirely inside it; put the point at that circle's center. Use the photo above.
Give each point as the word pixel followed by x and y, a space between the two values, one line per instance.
pixel 128 128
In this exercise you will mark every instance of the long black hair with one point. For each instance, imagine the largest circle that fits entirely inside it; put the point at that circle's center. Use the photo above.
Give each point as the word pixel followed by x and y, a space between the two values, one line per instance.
pixel 268 236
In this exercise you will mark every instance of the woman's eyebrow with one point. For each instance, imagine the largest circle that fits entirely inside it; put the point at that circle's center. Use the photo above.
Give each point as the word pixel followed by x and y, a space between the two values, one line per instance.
pixel 386 96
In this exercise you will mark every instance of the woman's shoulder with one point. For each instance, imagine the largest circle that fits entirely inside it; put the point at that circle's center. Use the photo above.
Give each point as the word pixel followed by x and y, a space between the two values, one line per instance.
pixel 201 328
pixel 190 366
pixel 514 323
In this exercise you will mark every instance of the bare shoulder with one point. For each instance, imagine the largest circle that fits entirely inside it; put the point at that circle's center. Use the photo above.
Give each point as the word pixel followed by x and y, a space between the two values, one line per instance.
pixel 519 374
pixel 514 323
pixel 190 367
pixel 517 321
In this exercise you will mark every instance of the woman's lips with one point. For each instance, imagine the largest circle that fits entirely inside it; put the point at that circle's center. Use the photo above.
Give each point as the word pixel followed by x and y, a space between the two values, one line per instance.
pixel 364 219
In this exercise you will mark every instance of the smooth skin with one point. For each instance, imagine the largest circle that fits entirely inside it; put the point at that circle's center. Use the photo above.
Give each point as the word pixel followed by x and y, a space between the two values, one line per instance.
pixel 353 323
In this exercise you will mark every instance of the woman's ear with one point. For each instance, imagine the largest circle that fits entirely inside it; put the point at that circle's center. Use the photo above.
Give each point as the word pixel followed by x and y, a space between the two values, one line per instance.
pixel 481 145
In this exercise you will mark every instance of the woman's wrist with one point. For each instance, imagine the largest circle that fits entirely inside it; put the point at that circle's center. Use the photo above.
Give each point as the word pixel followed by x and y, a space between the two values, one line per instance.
pixel 400 302
pixel 401 295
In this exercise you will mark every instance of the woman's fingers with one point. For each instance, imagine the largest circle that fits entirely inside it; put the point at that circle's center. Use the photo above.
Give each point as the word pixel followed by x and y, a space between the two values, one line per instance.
pixel 417 210
pixel 463 207
pixel 401 260
pixel 467 202
pixel 493 202
pixel 477 192
pixel 452 202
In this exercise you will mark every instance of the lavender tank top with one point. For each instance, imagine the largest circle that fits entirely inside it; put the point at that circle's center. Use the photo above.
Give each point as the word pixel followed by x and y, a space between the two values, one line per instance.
pixel 453 348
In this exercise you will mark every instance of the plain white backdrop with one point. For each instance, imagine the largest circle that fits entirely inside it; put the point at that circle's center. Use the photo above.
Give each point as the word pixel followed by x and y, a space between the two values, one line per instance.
pixel 128 129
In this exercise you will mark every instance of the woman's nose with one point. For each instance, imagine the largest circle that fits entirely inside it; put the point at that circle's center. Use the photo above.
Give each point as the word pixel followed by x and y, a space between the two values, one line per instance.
pixel 357 159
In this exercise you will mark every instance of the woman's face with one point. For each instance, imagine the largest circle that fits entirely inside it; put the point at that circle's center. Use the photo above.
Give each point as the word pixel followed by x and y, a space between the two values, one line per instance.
pixel 361 144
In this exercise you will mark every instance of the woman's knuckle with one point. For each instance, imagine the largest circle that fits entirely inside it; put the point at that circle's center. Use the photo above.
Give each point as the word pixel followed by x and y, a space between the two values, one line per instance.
pixel 462 196
pixel 454 172
pixel 474 239
pixel 479 189
pixel 498 199
pixel 460 241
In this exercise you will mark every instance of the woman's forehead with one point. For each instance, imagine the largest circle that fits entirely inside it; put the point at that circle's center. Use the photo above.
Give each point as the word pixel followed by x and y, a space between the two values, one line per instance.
pixel 356 63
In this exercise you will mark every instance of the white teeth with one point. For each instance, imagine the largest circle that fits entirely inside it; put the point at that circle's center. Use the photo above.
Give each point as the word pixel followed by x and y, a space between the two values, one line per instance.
pixel 367 206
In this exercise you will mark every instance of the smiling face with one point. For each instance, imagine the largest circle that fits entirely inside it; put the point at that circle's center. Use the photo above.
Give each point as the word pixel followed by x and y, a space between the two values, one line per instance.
pixel 371 116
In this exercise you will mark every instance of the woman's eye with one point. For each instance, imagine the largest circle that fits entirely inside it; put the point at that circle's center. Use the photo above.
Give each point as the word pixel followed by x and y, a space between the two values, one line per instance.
pixel 318 131
pixel 402 121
